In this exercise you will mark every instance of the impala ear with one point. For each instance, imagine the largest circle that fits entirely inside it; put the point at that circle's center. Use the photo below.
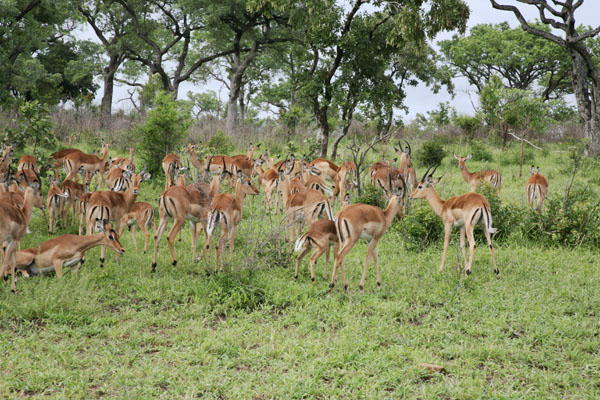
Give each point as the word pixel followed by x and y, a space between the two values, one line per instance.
pixel 469 157
pixel 146 176
pixel 455 156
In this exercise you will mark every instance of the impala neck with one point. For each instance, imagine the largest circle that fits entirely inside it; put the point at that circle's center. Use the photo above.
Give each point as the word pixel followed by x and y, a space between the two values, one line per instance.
pixel 392 210
pixel 465 173
pixel 89 241
pixel 104 153
pixel 194 157
pixel 27 208
pixel 435 201
pixel 239 194
pixel 129 197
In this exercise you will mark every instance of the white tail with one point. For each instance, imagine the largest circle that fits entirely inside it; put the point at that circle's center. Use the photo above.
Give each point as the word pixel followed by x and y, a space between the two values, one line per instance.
pixel 300 243
pixel 488 221
pixel 213 220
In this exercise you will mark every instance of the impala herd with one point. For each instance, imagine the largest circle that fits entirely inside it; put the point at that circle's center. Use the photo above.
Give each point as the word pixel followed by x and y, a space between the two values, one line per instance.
pixel 304 191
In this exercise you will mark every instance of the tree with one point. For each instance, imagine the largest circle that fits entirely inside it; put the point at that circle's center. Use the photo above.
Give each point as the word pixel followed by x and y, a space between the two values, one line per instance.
pixel 523 61
pixel 206 103
pixel 585 72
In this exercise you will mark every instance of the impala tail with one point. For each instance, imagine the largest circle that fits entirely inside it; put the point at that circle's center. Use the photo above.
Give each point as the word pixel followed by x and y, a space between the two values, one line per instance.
pixel 213 221
pixel 300 242
pixel 487 216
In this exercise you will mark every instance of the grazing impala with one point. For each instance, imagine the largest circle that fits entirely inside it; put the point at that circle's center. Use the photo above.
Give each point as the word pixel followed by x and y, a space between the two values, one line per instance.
pixel 364 221
pixel 465 211
pixel 321 234
pixel 537 187
pixel 181 203
pixel 346 171
pixel 491 176
pixel 66 251
pixel 389 180
pixel 112 206
pixel 142 213
pixel 74 162
pixel 226 210
pixel 13 226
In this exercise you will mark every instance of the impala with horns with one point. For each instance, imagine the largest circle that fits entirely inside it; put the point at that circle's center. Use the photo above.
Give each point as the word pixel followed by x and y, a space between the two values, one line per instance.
pixel 171 164
pixel 320 236
pixel 181 203
pixel 406 167
pixel 112 206
pixel 141 213
pixel 124 163
pixel 493 177
pixel 66 251
pixel 55 202
pixel 82 162
pixel 226 211
pixel 537 188
pixel 364 221
pixel 345 173
pixel 464 211
pixel 390 180
pixel 14 222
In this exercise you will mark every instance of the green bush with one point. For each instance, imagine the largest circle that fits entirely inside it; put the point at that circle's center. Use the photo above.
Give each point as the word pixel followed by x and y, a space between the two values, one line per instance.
pixel 431 153
pixel 219 143
pixel 371 195
pixel 163 130
pixel 421 227
pixel 504 217
pixel 513 156
pixel 480 152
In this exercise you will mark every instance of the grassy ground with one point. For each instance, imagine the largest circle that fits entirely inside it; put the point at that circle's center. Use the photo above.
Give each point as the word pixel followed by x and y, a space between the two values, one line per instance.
pixel 121 332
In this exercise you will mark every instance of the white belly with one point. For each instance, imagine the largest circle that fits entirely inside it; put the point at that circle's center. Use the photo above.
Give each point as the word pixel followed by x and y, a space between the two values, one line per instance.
pixel 459 223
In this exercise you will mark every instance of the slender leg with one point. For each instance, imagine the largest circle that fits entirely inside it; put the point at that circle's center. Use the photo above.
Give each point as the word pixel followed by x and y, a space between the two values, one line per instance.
pixel 304 251
pixel 469 230
pixel 462 244
pixel 326 260
pixel 173 235
pixel 58 267
pixel 232 243
pixel 133 229
pixel 447 230
pixel 372 245
pixel 376 259
pixel 159 232
pixel 339 259
pixel 146 233
pixel 314 258
pixel 194 239
pixel 489 240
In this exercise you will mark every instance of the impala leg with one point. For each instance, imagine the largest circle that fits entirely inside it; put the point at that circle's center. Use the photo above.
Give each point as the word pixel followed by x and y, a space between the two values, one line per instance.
pixel 146 233
pixel 133 235
pixel 314 258
pixel 173 235
pixel 376 260
pixel 339 260
pixel 102 256
pixel 304 251
pixel 194 239
pixel 447 230
pixel 372 245
pixel 462 244
pixel 469 230
pixel 326 260
pixel 489 241
pixel 58 267
pixel 159 232
pixel 231 244
pixel 220 245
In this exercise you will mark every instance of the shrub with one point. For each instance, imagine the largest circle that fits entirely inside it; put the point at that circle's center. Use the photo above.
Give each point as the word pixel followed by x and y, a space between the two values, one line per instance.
pixel 480 152
pixel 165 127
pixel 504 218
pixel 431 153
pixel 421 227
pixel 219 143
pixel 371 195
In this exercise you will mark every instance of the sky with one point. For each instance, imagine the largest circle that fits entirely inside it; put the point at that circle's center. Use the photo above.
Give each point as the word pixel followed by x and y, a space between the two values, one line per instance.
pixel 420 99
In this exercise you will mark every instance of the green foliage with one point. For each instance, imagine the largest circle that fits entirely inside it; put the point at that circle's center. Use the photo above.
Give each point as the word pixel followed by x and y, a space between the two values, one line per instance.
pixel 33 127
pixel 512 155
pixel 420 227
pixel 504 217
pixel 431 153
pixel 206 103
pixel 372 195
pixel 227 294
pixel 480 151
pixel 163 130
pixel 219 143
pixel 469 124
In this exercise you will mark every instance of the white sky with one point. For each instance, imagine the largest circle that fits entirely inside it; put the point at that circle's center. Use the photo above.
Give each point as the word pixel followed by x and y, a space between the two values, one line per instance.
pixel 419 99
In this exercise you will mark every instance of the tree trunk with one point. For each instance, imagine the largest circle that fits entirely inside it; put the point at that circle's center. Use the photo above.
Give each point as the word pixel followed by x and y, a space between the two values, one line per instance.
pixel 109 80
pixel 232 109
pixel 521 158
pixel 323 135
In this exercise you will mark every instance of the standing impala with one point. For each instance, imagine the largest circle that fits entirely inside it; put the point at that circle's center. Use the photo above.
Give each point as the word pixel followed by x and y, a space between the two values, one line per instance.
pixel 226 210
pixel 170 165
pixel 364 221
pixel 465 211
pixel 74 161
pixel 28 162
pixel 537 187
pixel 493 177
pixel 142 213
pixel 55 202
pixel 66 251
pixel 321 234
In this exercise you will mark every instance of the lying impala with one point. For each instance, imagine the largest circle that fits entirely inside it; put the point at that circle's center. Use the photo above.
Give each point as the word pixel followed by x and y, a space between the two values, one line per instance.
pixel 491 176
pixel 112 206
pixel 13 226
pixel 364 221
pixel 465 211
pixel 181 203
pixel 141 213
pixel 321 234
pixel 537 187
pixel 226 211
pixel 66 251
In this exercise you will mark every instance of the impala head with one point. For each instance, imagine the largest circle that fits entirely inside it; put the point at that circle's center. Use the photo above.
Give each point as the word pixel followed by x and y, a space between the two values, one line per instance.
pixel 462 160
pixel 190 148
pixel 111 238
pixel 7 151
pixel 425 185
pixel 246 185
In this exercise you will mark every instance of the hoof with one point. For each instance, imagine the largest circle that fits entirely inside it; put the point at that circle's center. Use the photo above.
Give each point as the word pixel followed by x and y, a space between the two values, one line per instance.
pixel 346 287
pixel 312 278
pixel 13 291
pixel 5 278
pixel 174 263
pixel 331 287
pixel 153 267
pixel 101 262
pixel 496 271
pixel 296 277
pixel 378 284
pixel 361 287
pixel 468 272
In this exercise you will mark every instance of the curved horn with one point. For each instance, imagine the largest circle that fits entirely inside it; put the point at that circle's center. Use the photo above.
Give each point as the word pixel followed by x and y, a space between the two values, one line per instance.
pixel 432 172
pixel 144 170
pixel 425 175
pixel 403 185
pixel 38 178
pixel 390 180
pixel 409 149
pixel 23 174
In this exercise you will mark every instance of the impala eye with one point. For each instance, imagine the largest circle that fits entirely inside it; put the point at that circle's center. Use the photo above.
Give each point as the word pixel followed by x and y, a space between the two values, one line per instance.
pixel 420 187
pixel 111 237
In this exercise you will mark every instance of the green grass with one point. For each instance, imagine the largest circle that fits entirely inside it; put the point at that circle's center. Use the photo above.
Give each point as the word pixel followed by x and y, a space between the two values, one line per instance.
pixel 122 332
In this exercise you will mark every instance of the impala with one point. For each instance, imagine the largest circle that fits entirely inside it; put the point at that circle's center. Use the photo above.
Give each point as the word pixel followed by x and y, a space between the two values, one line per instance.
pixel 58 158
pixel 142 213
pixel 364 221
pixel 249 154
pixel 14 222
pixel 389 179
pixel 66 251
pixel 82 204
pixel 321 234
pixel 7 154
pixel 118 179
pixel 75 191
pixel 55 201
pixel 30 178
pixel 491 176
pixel 27 162
pixel 181 203
pixel 465 211
pixel 328 168
pixel 226 210
pixel 345 172
pixel 191 150
pixel 537 187
pixel 74 162
pixel 378 165
pixel 112 206
pixel 406 167
pixel 124 163
pixel 269 180
pixel 170 165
